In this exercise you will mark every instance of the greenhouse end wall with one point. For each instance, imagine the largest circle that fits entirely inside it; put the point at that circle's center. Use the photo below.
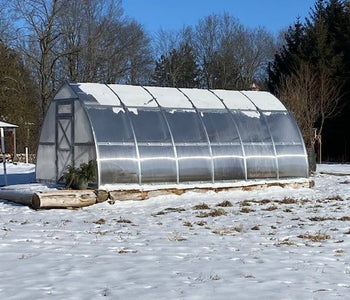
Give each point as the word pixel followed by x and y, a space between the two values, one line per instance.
pixel 145 135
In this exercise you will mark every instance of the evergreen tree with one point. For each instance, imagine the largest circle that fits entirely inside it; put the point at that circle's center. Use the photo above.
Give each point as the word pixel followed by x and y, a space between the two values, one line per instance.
pixel 177 69
pixel 18 98
pixel 323 44
pixel 288 57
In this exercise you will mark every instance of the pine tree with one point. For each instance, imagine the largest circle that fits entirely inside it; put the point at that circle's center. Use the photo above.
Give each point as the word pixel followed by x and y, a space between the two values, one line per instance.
pixel 177 69
pixel 323 44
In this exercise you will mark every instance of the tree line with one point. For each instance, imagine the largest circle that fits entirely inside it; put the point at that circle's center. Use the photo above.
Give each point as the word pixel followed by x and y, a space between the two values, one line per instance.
pixel 44 42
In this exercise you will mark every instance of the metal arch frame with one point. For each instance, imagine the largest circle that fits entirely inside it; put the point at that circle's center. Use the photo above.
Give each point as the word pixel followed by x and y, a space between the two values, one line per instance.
pixel 239 134
pixel 291 115
pixel 171 135
pixel 97 153
pixel 133 134
pixel 268 128
pixel 206 135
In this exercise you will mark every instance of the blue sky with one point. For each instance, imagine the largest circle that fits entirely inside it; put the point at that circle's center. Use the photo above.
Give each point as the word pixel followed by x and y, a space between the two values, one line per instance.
pixel 274 15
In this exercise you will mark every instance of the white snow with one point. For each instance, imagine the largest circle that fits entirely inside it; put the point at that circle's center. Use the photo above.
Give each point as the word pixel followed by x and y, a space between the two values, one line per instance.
pixel 133 95
pixel 137 96
pixel 203 99
pixel 264 100
pixel 277 243
pixel 100 93
pixel 169 97
pixel 18 168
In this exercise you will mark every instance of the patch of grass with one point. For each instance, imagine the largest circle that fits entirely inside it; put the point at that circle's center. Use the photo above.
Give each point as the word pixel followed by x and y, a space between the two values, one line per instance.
pixel 345 218
pixel 287 210
pixel 334 198
pixel 121 220
pixel 225 204
pixel 238 228
pixel 227 230
pixel 285 242
pixel 245 203
pixel 213 213
pixel 320 219
pixel 214 277
pixel 315 237
pixel 264 201
pixel 201 206
pixel 169 210
pixel 188 224
pixel 246 210
pixel 271 207
pixel 100 221
pixel 256 227
pixel 174 209
pixel 159 213
pixel 287 200
pixel 201 223
pixel 303 201
pixel 123 251
pixel 217 212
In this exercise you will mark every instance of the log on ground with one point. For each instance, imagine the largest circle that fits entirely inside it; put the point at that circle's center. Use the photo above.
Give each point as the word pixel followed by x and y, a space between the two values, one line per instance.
pixel 122 195
pixel 21 197
pixel 63 199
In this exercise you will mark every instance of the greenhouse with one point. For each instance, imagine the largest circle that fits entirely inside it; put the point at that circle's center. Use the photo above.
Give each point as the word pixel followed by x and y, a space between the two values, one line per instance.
pixel 157 135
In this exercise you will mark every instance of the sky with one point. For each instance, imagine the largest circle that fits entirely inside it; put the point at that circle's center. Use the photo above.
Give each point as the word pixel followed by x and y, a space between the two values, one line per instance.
pixel 274 15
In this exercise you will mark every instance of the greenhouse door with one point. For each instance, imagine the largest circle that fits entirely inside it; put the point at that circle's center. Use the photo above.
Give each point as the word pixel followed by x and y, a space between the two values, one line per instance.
pixel 64 137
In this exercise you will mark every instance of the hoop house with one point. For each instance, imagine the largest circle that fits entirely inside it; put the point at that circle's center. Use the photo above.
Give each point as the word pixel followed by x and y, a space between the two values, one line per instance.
pixel 141 134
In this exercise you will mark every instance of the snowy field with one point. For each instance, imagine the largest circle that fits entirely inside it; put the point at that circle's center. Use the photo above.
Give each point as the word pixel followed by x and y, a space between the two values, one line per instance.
pixel 271 244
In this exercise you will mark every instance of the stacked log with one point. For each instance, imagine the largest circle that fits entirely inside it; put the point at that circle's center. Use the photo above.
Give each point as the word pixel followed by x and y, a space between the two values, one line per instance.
pixel 81 198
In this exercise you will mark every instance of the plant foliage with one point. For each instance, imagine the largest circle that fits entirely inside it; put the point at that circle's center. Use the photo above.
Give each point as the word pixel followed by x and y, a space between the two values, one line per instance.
pixel 79 178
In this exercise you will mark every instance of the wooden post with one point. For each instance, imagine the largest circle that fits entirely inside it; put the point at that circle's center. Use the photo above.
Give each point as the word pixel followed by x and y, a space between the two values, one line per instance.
pixel 27 154
pixel 14 144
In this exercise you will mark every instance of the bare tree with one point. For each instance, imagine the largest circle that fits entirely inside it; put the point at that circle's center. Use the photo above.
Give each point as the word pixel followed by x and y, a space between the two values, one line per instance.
pixel 230 55
pixel 313 97
pixel 167 40
pixel 5 23
pixel 206 43
pixel 41 39
pixel 106 47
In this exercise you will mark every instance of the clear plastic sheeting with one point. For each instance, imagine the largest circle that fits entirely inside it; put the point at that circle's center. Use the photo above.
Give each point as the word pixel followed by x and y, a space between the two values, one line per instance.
pixel 140 135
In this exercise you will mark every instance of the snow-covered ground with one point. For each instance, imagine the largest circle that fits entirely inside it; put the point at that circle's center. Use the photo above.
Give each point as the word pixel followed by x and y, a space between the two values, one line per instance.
pixel 17 173
pixel 271 244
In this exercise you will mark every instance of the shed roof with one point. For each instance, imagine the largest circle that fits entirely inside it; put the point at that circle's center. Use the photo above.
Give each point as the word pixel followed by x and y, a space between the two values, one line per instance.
pixel 7 125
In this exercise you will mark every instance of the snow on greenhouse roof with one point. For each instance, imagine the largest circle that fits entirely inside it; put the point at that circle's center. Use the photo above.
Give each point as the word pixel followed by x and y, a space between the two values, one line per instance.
pixel 264 100
pixel 169 97
pixel 133 95
pixel 95 92
pixel 203 99
pixel 138 96
pixel 234 99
